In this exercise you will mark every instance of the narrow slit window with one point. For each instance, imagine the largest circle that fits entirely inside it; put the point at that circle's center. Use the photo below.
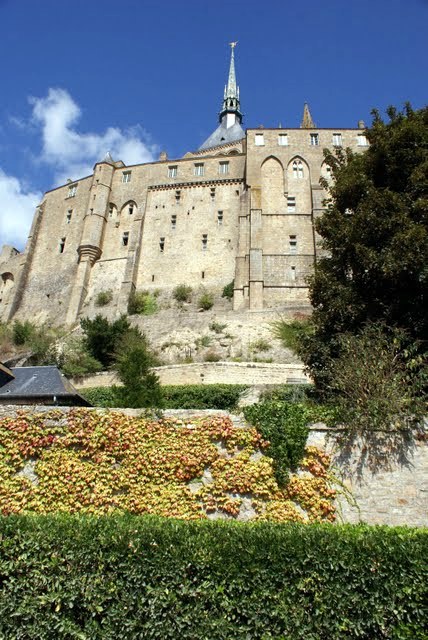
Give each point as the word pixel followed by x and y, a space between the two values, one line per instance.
pixel 153 278
pixel 125 239
pixel 219 218
pixel 204 241
pixel 161 245
pixel 62 245
pixel 131 209
pixel 203 275
pixel 177 196
pixel 173 221
pixel 293 273
pixel 212 192
pixel 69 214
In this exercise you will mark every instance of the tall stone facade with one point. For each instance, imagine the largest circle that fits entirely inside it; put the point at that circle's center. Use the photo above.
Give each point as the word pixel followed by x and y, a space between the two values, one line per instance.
pixel 242 207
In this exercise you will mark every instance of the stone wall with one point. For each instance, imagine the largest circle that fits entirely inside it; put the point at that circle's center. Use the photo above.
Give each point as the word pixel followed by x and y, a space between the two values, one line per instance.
pixel 248 373
pixel 394 496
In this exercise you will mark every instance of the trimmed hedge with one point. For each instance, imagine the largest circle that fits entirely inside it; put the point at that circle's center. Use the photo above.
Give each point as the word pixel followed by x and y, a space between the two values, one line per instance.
pixel 131 577
pixel 189 396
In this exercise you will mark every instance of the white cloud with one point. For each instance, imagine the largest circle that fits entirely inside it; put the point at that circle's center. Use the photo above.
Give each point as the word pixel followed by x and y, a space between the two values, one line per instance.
pixel 72 153
pixel 17 207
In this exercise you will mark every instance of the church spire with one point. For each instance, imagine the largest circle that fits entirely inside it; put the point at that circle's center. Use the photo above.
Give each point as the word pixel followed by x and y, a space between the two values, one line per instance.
pixel 231 93
pixel 307 122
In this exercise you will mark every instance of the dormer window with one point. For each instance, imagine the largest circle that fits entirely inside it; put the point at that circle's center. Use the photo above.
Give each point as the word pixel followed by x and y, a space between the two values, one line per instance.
pixel 72 189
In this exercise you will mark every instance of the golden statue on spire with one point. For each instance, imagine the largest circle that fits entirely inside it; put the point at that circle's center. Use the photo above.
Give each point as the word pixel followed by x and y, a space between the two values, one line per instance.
pixel 233 44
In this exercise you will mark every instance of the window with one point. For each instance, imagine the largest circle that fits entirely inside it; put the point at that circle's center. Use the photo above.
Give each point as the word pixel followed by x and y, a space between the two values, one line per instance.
pixel 72 191
pixel 293 273
pixel 131 209
pixel 172 171
pixel 110 210
pixel 219 218
pixel 161 244
pixel 362 140
pixel 199 169
pixel 125 239
pixel 314 139
pixel 223 168
pixel 283 139
pixel 62 245
pixel 126 176
pixel 293 244
pixel 259 140
pixel 337 139
pixel 297 169
pixel 69 214
pixel 173 221
pixel 204 241
pixel 177 197
pixel 203 275
pixel 291 204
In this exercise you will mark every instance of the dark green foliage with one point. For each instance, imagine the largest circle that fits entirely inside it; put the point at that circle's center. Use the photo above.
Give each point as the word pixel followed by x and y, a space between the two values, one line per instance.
pixel 292 333
pixel 206 301
pixel 295 393
pixel 285 425
pixel 228 290
pixel 104 578
pixel 103 298
pixel 143 303
pixel 134 359
pixel 199 396
pixel 191 396
pixel 22 332
pixel 375 230
pixel 103 337
pixel 182 293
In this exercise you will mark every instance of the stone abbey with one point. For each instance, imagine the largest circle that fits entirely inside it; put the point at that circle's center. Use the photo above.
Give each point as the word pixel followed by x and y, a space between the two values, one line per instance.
pixel 242 208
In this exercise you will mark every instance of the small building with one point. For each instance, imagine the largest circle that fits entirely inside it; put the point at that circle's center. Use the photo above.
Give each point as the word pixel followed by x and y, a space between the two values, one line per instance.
pixel 38 385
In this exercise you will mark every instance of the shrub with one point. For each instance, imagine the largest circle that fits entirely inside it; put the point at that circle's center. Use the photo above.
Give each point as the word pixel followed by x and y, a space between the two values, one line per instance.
pixel 259 345
pixel 206 301
pixel 105 397
pixel 212 356
pixel 286 427
pixel 292 333
pixel 228 290
pixel 102 337
pixel 209 396
pixel 143 303
pixel 182 293
pixel 22 332
pixel 217 327
pixel 147 577
pixel 203 341
pixel 294 393
pixel 103 298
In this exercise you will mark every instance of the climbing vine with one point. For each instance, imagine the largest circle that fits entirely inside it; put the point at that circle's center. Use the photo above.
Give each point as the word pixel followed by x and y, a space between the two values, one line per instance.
pixel 104 462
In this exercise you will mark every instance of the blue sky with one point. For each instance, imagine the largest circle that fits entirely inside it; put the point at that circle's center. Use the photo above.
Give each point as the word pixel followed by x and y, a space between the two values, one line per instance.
pixel 82 77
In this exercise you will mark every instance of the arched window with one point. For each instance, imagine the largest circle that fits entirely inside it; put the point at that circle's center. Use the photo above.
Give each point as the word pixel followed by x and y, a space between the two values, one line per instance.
pixel 297 169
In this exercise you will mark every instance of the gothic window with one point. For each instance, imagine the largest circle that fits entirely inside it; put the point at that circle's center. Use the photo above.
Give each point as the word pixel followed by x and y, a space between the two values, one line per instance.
pixel 126 176
pixel 72 189
pixel 314 139
pixel 297 169
pixel 172 171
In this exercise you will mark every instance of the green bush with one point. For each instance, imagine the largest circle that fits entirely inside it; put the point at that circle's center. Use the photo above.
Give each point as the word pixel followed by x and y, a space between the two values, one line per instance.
pixel 287 393
pixel 135 577
pixel 285 425
pixel 217 327
pixel 190 396
pixel 228 290
pixel 206 301
pixel 200 396
pixel 182 293
pixel 102 337
pixel 103 298
pixel 143 303
pixel 292 333
pixel 22 332
pixel 259 345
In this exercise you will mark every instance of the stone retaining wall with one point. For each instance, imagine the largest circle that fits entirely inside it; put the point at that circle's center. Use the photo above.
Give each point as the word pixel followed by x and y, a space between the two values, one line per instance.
pixel 394 496
pixel 250 373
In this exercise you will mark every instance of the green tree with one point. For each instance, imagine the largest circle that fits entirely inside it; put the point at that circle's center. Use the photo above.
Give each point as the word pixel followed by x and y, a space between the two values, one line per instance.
pixel 141 387
pixel 375 234
pixel 102 337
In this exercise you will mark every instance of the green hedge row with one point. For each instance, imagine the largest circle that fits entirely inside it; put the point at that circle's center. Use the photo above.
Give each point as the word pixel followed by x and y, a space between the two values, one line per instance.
pixel 150 578
pixel 190 396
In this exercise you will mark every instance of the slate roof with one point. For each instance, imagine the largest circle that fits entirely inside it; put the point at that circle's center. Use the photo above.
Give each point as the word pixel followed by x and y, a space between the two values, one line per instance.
pixel 40 383
pixel 223 135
